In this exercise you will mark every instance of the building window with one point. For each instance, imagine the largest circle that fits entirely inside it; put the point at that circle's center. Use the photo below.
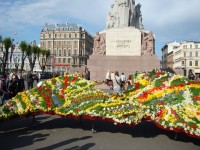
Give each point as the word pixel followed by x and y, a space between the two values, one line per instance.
pixel 184 54
pixel 49 35
pixel 49 43
pixel 59 60
pixel 60 35
pixel 190 63
pixel 196 63
pixel 55 35
pixel 81 52
pixel 60 52
pixel 190 46
pixel 64 60
pixel 196 54
pixel 65 52
pixel 184 46
pixel 69 60
pixel 183 63
pixel 54 51
pixel 69 42
pixel 196 46
pixel 75 35
pixel 75 43
pixel 75 52
pixel 69 52
pixel 190 54
pixel 64 43
pixel 75 60
pixel 43 36
pixel 65 36
pixel 70 35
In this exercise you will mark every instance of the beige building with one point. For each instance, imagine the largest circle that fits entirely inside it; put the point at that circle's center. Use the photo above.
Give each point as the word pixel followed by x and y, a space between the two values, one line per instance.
pixel 186 57
pixel 166 50
pixel 170 60
pixel 69 44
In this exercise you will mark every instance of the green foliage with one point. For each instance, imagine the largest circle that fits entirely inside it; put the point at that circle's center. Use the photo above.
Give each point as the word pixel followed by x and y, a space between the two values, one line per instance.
pixel 178 82
pixel 195 91
pixel 152 73
pixel 158 83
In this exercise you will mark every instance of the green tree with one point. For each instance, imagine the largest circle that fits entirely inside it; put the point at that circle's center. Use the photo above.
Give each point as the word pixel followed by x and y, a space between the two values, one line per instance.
pixel 43 61
pixel 36 53
pixel 23 47
pixel 7 42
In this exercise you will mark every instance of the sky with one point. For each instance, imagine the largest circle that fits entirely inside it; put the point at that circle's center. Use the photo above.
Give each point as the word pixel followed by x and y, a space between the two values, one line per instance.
pixel 169 20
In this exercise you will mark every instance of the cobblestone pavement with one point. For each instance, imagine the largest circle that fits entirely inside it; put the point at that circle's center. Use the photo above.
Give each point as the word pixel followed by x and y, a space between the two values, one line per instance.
pixel 53 132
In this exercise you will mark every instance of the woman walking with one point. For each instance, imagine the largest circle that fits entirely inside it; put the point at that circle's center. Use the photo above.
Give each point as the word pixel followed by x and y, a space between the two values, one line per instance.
pixel 117 82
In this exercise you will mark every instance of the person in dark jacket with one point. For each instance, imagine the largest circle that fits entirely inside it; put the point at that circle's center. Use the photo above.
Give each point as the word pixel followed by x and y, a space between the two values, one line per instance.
pixel 13 85
pixel 191 76
pixel 29 79
pixel 21 85
pixel 4 94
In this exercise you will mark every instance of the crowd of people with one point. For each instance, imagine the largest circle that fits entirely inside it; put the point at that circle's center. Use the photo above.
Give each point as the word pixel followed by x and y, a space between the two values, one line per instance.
pixel 192 76
pixel 14 82
pixel 118 82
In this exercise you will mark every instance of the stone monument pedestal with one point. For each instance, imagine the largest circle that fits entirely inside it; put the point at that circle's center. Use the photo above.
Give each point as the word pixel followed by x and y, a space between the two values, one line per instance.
pixel 99 65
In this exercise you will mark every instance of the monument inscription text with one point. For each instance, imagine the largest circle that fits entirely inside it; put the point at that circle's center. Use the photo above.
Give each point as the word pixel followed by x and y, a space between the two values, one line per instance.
pixel 123 42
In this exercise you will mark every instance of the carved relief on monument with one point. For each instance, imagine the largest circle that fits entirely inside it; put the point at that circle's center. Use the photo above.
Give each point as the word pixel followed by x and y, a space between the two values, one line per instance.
pixel 99 44
pixel 124 13
pixel 147 44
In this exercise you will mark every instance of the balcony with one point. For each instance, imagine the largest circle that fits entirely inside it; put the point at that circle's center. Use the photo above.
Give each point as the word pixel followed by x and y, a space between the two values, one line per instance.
pixel 75 55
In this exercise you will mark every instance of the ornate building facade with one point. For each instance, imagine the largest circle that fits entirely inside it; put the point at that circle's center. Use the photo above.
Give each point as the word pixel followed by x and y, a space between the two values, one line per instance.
pixel 182 57
pixel 70 46
pixel 186 57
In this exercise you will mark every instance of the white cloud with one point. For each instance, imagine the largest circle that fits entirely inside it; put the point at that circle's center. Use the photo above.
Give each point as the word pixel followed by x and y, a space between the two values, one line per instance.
pixel 38 12
pixel 168 19
pixel 172 19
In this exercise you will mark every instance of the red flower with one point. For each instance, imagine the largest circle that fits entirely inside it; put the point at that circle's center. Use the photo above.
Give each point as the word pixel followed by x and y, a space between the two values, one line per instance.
pixel 161 103
pixel 173 112
pixel 196 98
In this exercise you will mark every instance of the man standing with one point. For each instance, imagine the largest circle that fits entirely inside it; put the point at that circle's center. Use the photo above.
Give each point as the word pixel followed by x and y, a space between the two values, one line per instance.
pixel 123 80
pixel 29 79
pixel 4 95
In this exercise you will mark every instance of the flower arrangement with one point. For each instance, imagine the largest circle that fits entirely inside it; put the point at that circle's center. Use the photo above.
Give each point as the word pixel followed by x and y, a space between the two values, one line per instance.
pixel 172 102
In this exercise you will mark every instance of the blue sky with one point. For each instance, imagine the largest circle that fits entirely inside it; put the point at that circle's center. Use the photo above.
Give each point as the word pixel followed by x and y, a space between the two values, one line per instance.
pixel 170 20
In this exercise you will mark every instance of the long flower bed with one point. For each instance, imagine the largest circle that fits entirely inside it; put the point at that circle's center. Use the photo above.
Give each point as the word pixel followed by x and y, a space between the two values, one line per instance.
pixel 172 102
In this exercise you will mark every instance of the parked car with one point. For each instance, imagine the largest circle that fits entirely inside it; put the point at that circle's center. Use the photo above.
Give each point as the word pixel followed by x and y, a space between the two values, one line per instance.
pixel 46 75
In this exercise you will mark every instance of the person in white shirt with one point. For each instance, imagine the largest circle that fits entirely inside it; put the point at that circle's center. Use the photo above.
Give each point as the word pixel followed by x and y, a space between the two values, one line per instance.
pixel 108 77
pixel 117 82
pixel 123 81
pixel 112 79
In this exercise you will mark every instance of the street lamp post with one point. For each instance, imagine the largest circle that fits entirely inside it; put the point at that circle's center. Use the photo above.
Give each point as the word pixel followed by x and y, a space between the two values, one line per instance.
pixel 12 49
pixel 16 61
pixel 185 70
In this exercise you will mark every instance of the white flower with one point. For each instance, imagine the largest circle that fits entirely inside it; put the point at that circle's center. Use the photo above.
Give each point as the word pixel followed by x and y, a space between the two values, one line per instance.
pixel 39 84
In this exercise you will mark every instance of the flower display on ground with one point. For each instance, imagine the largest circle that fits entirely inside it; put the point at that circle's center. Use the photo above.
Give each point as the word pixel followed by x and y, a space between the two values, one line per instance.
pixel 172 102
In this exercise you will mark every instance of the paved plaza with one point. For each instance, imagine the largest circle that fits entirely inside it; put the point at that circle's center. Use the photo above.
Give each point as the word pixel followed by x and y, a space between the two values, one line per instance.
pixel 53 132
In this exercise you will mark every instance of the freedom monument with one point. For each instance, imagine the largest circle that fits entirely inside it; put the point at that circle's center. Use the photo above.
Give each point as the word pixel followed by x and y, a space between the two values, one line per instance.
pixel 124 45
